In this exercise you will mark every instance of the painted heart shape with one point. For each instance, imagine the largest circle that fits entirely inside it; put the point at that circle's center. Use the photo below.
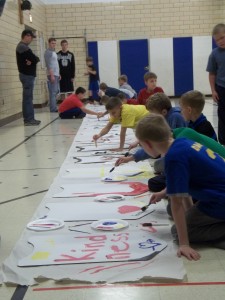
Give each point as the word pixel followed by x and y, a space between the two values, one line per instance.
pixel 126 209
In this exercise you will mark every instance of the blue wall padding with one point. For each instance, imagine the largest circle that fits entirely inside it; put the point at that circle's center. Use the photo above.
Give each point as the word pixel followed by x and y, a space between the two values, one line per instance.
pixel 183 65
pixel 134 56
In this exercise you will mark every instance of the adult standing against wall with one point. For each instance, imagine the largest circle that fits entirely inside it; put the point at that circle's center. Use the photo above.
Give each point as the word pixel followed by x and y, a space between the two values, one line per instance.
pixel 53 75
pixel 27 63
pixel 67 68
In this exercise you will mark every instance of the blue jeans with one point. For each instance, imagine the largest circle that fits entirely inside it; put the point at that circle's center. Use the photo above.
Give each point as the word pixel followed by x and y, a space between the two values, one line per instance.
pixel 53 89
pixel 94 88
pixel 73 112
pixel 27 103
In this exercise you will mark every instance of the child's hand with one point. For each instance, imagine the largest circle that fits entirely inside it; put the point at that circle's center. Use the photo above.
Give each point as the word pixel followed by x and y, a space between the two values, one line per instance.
pixel 100 115
pixel 96 137
pixel 188 252
pixel 133 145
pixel 101 93
pixel 156 197
pixel 123 160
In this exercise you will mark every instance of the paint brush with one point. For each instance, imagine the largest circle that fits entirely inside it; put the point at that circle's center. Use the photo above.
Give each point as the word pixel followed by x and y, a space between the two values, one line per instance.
pixel 125 155
pixel 143 208
pixel 152 224
pixel 96 145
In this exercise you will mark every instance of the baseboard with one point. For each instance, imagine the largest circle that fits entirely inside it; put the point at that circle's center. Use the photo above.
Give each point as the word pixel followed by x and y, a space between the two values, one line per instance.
pixel 40 105
pixel 10 119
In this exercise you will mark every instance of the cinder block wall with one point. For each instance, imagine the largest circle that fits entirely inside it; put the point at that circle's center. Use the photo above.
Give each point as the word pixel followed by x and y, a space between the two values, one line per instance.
pixel 99 21
pixel 10 35
pixel 130 20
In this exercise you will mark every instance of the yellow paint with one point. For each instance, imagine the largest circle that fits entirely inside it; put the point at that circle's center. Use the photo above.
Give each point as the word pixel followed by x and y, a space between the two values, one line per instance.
pixel 102 171
pixel 51 242
pixel 40 255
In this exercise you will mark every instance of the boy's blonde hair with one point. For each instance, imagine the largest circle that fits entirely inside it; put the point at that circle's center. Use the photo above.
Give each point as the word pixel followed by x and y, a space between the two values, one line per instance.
pixel 194 99
pixel 113 103
pixel 158 102
pixel 123 78
pixel 153 128
pixel 149 75
pixel 218 28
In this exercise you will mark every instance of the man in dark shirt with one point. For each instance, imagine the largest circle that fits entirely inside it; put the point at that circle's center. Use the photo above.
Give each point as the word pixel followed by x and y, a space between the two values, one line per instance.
pixel 27 62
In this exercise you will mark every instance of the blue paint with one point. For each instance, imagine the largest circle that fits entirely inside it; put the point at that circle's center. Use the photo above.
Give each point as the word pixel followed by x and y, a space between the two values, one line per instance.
pixel 109 223
pixel 149 244
pixel 183 65
pixel 133 60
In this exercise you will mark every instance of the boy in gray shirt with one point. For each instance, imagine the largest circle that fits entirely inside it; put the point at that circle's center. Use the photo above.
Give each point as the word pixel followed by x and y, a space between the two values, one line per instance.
pixel 52 65
pixel 216 69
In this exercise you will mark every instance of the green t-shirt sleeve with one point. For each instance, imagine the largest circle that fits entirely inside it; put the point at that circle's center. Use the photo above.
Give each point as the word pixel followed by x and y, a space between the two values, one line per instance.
pixel 199 138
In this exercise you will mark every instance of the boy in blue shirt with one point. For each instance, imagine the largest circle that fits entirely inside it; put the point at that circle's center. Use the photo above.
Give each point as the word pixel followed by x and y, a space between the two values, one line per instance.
pixel 93 86
pixel 192 104
pixel 204 181
pixel 160 103
pixel 216 69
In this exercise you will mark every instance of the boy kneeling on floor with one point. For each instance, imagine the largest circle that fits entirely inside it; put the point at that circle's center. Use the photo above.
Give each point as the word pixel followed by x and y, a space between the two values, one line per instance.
pixel 191 170
pixel 73 107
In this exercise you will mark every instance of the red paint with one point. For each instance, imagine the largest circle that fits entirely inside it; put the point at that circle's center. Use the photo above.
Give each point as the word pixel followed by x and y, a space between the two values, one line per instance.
pixel 138 189
pixel 126 209
pixel 128 285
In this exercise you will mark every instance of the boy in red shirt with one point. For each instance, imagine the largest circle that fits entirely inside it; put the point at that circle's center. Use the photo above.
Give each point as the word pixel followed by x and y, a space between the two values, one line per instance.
pixel 150 80
pixel 72 106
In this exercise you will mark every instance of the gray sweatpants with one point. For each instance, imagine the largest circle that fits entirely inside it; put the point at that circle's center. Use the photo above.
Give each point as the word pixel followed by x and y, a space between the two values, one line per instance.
pixel 202 228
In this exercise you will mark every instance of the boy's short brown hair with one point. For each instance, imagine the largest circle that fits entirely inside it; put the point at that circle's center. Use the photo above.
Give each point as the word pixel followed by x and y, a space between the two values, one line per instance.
pixel 218 28
pixel 123 78
pixel 63 42
pixel 122 96
pixel 89 58
pixel 194 99
pixel 51 39
pixel 153 128
pixel 104 99
pixel 113 103
pixel 158 102
pixel 103 86
pixel 149 75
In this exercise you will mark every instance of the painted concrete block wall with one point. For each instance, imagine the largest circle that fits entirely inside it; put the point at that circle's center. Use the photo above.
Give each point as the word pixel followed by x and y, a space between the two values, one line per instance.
pixel 10 35
pixel 142 19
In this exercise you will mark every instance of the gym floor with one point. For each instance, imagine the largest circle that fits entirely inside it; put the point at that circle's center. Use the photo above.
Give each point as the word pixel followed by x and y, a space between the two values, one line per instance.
pixel 30 158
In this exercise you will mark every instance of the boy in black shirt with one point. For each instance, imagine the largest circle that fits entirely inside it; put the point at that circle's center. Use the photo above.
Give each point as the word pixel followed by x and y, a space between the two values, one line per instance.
pixel 192 104
pixel 67 68
pixel 93 87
